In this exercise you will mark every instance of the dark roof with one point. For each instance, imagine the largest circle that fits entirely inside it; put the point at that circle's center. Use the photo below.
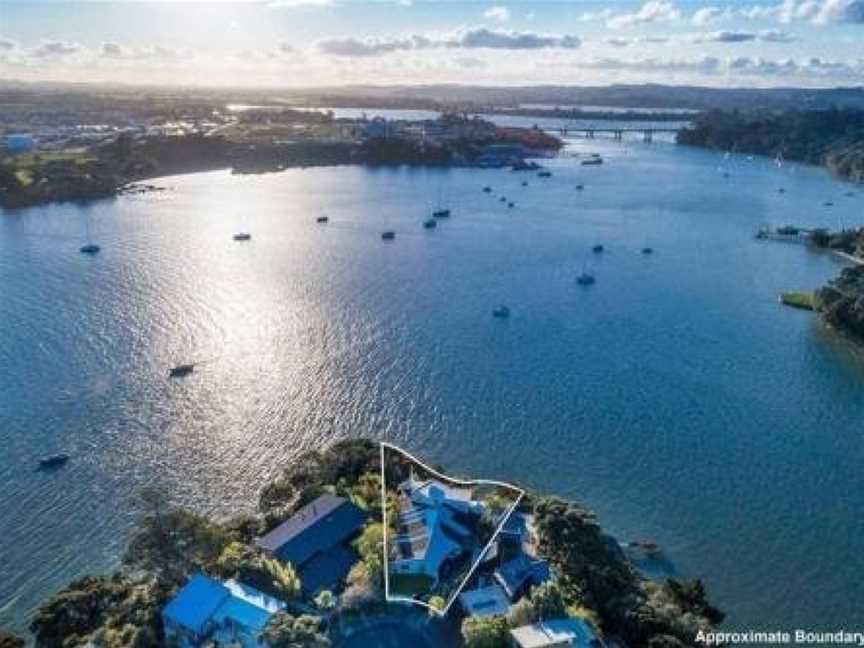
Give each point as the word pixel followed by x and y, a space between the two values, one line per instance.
pixel 318 526
pixel 327 569
pixel 521 571
pixel 196 602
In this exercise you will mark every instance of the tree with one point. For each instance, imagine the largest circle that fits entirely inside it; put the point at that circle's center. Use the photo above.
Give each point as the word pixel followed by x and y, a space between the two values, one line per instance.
pixel 548 601
pixel 359 588
pixel 9 640
pixel 436 605
pixel 486 632
pixel 286 631
pixel 325 600
pixel 370 546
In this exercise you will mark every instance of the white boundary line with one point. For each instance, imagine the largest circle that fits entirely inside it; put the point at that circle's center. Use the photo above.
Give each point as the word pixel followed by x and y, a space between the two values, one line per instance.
pixel 473 482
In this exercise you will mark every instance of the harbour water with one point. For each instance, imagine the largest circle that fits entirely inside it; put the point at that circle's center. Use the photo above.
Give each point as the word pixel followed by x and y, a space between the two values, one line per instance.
pixel 675 396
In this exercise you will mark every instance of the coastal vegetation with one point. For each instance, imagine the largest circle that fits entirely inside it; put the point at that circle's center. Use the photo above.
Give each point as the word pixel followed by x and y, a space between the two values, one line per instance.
pixel 9 640
pixel 802 300
pixel 593 579
pixel 832 137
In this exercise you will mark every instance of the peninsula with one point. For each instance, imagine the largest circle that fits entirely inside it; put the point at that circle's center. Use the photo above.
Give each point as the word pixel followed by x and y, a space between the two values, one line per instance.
pixel 308 569
pixel 87 166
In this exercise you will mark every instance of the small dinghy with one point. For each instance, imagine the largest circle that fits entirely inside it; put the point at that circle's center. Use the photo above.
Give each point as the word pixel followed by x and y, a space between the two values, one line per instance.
pixel 53 461
pixel 388 236
pixel 181 371
pixel 243 236
pixel 502 312
pixel 322 219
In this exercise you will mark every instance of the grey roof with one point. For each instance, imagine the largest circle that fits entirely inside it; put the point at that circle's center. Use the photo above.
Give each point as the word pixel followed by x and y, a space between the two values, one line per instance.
pixel 318 526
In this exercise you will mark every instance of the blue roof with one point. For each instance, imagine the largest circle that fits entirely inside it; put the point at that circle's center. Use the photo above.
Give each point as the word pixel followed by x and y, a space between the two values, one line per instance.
pixel 243 613
pixel 515 574
pixel 196 602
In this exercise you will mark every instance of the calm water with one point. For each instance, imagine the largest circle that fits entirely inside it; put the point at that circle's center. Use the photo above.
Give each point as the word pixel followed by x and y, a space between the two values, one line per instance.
pixel 675 396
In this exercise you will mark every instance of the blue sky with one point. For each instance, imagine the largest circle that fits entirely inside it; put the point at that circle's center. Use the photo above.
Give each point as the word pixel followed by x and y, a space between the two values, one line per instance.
pixel 327 42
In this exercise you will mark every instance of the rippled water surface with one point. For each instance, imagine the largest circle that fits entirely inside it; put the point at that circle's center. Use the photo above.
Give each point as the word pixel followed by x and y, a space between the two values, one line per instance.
pixel 675 396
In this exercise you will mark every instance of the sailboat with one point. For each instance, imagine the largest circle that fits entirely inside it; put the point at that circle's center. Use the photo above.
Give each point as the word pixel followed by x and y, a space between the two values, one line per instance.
pixel 90 247
pixel 440 211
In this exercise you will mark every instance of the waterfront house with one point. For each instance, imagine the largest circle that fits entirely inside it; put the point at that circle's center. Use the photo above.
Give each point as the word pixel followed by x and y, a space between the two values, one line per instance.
pixel 519 575
pixel 428 531
pixel 315 540
pixel 227 612
pixel 555 633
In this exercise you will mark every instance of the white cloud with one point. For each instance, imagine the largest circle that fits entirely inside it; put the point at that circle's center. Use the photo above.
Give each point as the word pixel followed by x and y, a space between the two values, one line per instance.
pixel 55 49
pixel 776 36
pixel 501 14
pixel 820 12
pixel 707 16
pixel 725 37
pixel 653 11
pixel 292 4
pixel 476 38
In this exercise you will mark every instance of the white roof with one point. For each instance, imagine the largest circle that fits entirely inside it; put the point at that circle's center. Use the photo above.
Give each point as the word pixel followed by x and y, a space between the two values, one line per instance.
pixel 556 632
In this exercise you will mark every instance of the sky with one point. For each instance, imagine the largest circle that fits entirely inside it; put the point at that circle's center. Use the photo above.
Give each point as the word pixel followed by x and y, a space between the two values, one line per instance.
pixel 302 43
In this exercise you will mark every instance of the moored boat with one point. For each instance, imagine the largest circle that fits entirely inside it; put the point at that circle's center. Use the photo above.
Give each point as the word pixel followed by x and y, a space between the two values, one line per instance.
pixel 388 236
pixel 501 312
pixel 181 371
pixel 243 236
pixel 90 248
pixel 53 461
pixel 430 223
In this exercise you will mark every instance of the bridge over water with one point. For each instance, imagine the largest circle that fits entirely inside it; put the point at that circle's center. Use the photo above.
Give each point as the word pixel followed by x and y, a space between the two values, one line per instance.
pixel 616 132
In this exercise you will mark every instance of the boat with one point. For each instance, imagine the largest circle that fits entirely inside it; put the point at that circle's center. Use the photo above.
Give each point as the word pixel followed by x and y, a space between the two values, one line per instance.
pixel 544 174
pixel 828 203
pixel 502 312
pixel 322 219
pixel 441 213
pixel 511 205
pixel 90 248
pixel 592 161
pixel 781 190
pixel 502 199
pixel 53 461
pixel 585 279
pixel 243 236
pixel 524 183
pixel 522 165
pixel 430 223
pixel 487 189
pixel 388 236
pixel 850 194
pixel 647 250
pixel 597 248
pixel 580 187
pixel 181 371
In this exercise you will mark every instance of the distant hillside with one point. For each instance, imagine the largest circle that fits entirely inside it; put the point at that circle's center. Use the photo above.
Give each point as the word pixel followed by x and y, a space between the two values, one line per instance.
pixel 833 138
pixel 618 96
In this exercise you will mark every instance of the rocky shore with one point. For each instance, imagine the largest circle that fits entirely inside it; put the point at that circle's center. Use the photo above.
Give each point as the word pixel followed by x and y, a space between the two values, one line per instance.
pixel 594 579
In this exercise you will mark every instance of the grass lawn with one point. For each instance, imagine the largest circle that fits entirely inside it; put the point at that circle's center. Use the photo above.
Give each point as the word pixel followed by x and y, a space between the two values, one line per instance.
pixel 410 584
pixel 798 299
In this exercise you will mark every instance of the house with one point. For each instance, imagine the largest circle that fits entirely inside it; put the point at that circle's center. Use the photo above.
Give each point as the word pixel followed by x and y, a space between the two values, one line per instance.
pixel 429 531
pixel 315 541
pixel 485 601
pixel 554 633
pixel 519 575
pixel 225 612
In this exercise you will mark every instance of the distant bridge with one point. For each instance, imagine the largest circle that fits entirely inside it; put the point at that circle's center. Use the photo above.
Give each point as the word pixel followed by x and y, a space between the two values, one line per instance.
pixel 616 133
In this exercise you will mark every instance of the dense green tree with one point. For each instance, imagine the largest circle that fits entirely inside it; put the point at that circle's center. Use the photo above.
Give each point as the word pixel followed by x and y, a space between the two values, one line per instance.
pixel 486 632
pixel 286 631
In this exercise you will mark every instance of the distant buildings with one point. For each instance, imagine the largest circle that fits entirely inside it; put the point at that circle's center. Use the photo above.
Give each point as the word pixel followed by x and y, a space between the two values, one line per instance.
pixel 315 541
pixel 554 633
pixel 19 142
pixel 222 612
